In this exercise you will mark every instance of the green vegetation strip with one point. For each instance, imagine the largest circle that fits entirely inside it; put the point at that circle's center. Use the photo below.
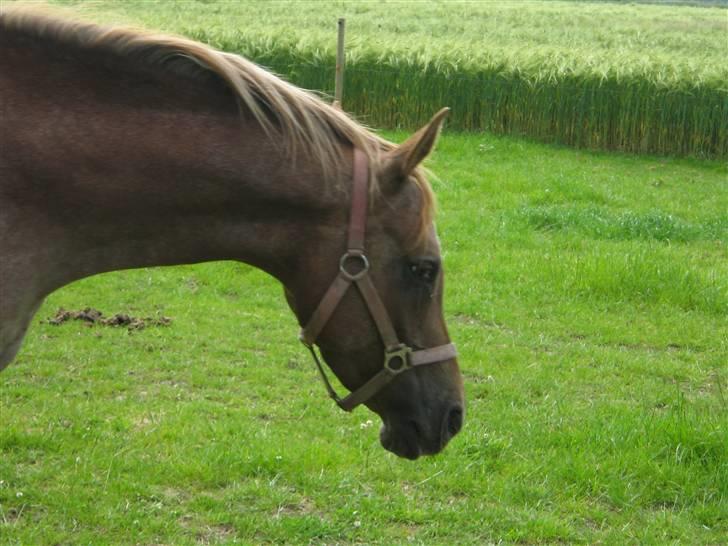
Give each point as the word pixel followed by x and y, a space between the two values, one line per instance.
pixel 639 78
pixel 599 222
pixel 588 296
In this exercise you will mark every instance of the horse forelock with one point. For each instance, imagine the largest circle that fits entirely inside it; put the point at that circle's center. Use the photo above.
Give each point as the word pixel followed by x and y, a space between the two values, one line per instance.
pixel 297 118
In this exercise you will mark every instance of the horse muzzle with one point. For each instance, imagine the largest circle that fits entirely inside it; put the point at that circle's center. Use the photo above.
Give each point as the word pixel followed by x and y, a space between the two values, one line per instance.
pixel 410 438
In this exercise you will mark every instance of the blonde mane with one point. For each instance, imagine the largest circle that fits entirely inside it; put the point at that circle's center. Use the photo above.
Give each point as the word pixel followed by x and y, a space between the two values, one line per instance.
pixel 298 118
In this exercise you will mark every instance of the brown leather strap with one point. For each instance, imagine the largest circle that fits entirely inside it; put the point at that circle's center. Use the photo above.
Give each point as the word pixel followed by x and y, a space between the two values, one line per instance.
pixel 359 190
pixel 355 244
pixel 378 311
pixel 365 392
pixel 325 309
pixel 376 383
pixel 434 354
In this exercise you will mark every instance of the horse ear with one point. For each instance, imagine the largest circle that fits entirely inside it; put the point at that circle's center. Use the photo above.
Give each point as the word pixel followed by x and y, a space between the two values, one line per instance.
pixel 400 162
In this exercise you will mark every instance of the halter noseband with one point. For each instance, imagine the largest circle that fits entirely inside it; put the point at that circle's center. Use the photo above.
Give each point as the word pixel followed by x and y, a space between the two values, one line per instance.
pixel 398 357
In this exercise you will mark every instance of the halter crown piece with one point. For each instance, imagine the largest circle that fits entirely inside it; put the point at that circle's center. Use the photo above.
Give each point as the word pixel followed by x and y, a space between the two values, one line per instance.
pixel 398 357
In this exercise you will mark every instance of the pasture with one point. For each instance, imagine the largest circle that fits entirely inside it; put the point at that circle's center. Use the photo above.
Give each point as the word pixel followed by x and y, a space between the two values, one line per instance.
pixel 587 293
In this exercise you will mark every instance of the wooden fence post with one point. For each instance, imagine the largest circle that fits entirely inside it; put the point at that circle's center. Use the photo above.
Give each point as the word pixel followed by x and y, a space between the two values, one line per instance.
pixel 340 61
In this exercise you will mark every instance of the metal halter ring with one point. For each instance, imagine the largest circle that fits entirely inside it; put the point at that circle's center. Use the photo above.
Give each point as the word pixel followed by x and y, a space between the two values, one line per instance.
pixel 354 254
pixel 397 360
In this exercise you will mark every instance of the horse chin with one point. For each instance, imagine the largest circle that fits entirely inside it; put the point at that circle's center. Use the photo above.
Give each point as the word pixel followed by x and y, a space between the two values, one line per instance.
pixel 400 441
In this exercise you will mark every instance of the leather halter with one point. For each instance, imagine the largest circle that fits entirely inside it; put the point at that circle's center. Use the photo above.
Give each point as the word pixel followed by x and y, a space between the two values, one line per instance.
pixel 354 269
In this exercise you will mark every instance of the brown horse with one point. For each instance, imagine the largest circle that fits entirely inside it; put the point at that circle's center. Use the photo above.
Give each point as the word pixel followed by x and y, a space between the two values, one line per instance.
pixel 123 149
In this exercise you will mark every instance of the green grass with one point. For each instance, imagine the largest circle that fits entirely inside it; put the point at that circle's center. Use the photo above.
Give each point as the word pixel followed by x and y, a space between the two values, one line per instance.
pixel 645 78
pixel 588 296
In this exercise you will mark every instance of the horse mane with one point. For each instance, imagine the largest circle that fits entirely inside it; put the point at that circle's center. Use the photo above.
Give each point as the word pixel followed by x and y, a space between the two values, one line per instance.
pixel 298 118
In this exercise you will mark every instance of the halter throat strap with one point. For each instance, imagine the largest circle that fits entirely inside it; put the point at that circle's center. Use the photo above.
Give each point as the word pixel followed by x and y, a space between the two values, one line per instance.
pixel 354 269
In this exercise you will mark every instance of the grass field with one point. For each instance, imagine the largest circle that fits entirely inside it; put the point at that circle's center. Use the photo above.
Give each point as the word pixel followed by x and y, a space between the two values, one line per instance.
pixel 588 295
pixel 636 77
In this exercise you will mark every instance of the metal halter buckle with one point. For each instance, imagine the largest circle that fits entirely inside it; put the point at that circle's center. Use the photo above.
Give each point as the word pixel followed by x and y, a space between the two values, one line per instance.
pixel 354 254
pixel 397 360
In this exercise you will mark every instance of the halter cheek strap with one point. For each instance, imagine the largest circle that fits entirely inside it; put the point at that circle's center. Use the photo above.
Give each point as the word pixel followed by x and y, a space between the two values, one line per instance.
pixel 354 269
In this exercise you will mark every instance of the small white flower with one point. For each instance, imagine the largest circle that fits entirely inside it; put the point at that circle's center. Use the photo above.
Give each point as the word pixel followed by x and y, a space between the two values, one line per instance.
pixel 357 523
pixel 279 457
pixel 19 494
pixel 366 424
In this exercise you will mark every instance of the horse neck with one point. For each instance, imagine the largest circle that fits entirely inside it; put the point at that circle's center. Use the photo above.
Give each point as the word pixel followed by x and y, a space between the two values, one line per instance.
pixel 212 190
pixel 131 171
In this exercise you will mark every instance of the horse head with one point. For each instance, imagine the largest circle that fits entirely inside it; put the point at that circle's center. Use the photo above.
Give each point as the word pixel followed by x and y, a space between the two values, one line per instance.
pixel 386 340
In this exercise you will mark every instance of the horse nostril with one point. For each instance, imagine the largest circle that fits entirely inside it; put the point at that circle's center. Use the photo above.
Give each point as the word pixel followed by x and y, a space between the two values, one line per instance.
pixel 416 428
pixel 454 421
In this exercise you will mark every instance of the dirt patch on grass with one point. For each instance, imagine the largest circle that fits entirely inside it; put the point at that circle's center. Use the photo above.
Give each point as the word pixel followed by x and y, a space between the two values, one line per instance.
pixel 304 507
pixel 93 317
pixel 205 534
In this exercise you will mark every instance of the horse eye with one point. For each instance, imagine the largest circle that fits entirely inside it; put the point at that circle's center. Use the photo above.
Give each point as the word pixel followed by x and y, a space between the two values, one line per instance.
pixel 425 270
